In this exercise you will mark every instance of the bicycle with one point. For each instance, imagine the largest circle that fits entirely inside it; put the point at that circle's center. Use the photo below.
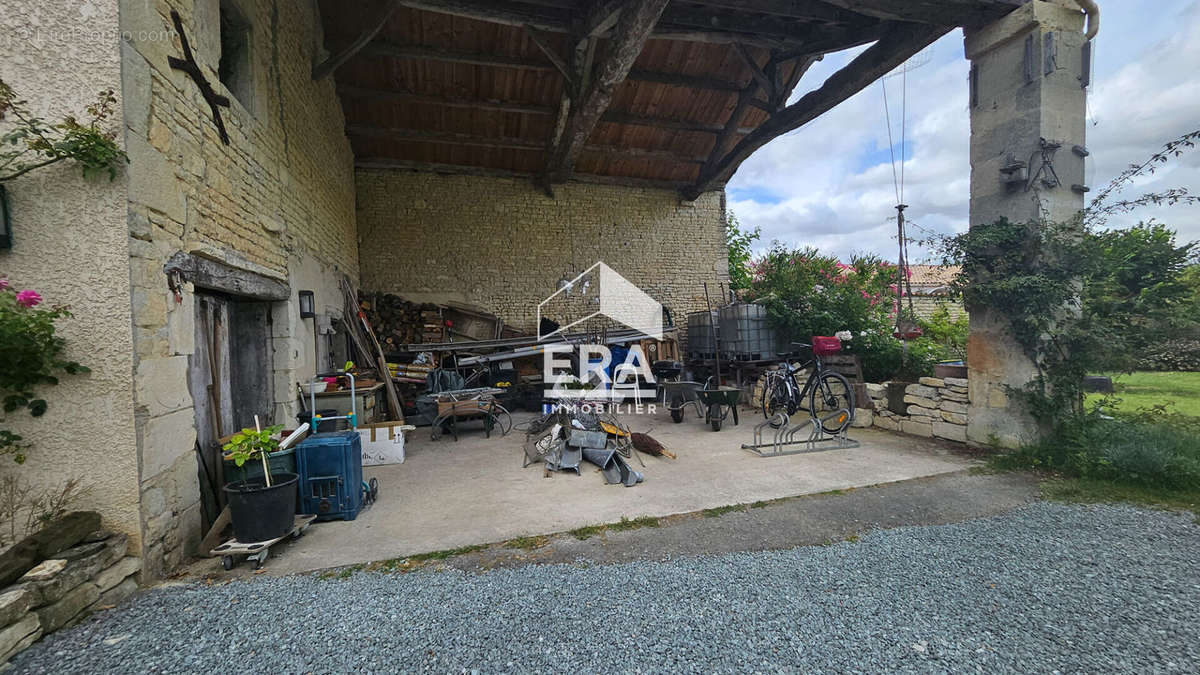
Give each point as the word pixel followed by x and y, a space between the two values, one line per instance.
pixel 828 392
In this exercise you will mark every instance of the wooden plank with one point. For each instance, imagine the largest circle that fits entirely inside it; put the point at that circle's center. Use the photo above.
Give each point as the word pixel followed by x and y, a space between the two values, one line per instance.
pixel 218 276
pixel 902 43
pixel 396 51
pixel 455 138
pixel 490 172
pixel 935 12
pixel 610 116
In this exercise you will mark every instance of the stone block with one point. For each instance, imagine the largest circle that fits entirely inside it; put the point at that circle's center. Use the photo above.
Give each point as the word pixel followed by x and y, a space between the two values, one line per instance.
pixel 72 604
pixel 19 635
pixel 955 382
pixel 888 423
pixel 920 401
pixel 921 411
pixel 45 571
pixel 920 391
pixel 935 382
pixel 115 595
pixel 14 603
pixel 950 395
pixel 167 438
pixel 917 428
pixel 951 432
pixel 953 407
pixel 152 181
pixel 954 418
pixel 161 385
pixel 863 418
pixel 875 390
pixel 117 573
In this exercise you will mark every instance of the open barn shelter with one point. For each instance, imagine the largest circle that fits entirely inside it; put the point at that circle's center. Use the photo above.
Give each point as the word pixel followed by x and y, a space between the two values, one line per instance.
pixel 465 153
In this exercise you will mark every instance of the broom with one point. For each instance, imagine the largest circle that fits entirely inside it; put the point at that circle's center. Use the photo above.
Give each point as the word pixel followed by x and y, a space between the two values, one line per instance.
pixel 645 443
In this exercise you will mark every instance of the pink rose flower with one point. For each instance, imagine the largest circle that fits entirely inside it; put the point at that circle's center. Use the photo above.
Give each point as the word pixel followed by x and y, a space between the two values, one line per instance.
pixel 28 298
pixel 4 284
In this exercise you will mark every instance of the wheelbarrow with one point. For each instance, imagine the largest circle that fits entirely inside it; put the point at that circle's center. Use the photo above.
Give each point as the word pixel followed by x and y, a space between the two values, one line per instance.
pixel 718 403
pixel 678 396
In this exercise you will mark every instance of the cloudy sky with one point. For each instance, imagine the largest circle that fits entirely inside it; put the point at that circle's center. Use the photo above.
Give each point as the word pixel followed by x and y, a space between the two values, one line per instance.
pixel 830 185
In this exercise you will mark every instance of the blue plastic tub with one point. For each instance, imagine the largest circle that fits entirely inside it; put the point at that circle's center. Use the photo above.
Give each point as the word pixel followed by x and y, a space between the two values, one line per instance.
pixel 330 469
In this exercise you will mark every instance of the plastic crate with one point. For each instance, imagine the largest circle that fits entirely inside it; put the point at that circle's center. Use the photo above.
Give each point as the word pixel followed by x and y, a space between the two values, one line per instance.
pixel 826 346
pixel 746 333
pixel 330 469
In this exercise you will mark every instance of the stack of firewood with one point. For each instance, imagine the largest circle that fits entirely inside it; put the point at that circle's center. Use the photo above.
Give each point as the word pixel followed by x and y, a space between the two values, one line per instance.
pixel 398 322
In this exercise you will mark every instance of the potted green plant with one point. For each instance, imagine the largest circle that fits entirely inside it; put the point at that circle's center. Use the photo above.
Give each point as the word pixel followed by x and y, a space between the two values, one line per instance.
pixel 261 508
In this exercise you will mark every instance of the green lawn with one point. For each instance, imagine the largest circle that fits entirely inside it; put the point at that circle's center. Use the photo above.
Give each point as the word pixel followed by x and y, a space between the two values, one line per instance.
pixel 1143 390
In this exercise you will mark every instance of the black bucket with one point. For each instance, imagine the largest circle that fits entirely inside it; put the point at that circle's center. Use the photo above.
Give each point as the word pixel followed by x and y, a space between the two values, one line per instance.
pixel 324 425
pixel 261 513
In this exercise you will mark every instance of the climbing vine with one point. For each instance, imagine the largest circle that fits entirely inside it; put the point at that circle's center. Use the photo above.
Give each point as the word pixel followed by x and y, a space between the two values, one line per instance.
pixel 32 143
pixel 1063 287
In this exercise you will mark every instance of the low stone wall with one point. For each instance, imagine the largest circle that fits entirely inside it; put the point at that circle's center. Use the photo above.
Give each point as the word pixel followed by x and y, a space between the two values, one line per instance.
pixel 92 572
pixel 936 408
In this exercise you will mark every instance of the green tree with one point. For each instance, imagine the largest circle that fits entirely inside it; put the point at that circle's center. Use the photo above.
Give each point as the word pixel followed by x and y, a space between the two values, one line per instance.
pixel 739 242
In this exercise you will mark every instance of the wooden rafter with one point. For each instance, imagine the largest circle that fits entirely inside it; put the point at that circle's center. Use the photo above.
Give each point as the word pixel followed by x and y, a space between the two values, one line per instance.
pixel 392 50
pixel 633 28
pixel 898 46
pixel 610 116
pixel 509 143
pixel 469 170
pixel 326 67
pixel 935 12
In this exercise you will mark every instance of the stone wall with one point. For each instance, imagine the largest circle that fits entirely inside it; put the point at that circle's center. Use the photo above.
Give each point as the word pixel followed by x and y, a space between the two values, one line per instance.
pixel 937 408
pixel 70 245
pixel 277 201
pixel 81 573
pixel 503 244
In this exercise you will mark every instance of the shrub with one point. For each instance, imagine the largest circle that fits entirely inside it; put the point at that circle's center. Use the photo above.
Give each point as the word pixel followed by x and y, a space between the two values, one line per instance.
pixel 1155 448
pixel 1178 355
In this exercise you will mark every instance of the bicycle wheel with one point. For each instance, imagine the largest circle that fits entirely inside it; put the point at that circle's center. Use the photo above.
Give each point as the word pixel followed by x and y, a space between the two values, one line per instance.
pixel 832 393
pixel 502 419
pixel 774 398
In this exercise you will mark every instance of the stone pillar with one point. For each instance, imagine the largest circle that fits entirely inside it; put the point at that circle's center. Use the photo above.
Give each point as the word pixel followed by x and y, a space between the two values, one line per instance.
pixel 1028 106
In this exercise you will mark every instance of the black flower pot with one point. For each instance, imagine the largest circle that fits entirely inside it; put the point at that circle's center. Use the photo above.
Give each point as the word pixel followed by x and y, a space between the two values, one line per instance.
pixel 262 513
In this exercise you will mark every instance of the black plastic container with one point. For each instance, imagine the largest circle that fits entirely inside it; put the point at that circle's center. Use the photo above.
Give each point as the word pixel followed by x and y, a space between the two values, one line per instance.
pixel 262 513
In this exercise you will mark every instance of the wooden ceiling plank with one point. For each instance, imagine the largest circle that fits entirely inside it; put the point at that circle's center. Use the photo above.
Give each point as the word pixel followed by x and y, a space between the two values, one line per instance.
pixel 879 59
pixel 471 170
pixel 610 116
pixel 396 51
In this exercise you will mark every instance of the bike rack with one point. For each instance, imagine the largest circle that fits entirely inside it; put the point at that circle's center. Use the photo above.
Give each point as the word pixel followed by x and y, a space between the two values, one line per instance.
pixel 785 436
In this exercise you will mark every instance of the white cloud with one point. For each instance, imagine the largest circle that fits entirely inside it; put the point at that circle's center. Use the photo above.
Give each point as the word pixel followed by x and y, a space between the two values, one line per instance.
pixel 813 187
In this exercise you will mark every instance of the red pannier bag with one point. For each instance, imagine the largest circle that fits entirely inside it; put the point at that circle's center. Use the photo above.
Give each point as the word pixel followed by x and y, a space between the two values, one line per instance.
pixel 825 346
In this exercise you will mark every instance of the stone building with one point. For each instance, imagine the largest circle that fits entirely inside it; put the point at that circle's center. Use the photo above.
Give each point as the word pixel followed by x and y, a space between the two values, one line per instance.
pixel 438 150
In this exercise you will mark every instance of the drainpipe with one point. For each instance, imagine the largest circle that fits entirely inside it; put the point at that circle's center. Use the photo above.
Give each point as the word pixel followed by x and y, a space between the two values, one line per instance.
pixel 1092 10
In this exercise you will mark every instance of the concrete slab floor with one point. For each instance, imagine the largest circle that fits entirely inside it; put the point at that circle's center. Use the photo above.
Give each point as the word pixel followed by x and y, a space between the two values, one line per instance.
pixel 451 494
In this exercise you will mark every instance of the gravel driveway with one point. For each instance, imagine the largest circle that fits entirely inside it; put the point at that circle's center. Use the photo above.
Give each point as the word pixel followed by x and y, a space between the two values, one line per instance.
pixel 1046 587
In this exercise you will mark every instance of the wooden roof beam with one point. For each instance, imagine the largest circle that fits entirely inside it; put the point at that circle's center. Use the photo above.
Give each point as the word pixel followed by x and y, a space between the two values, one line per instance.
pixel 469 170
pixel 509 143
pixel 393 50
pixel 610 116
pixel 902 43
pixel 935 12
pixel 633 28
